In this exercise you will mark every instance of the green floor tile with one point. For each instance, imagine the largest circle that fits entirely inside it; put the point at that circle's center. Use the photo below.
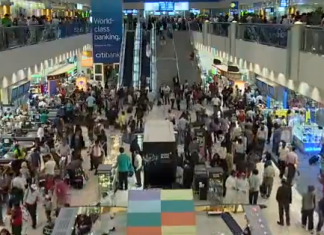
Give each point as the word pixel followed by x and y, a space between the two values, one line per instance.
pixel 143 219
pixel 172 230
pixel 177 206
pixel 179 194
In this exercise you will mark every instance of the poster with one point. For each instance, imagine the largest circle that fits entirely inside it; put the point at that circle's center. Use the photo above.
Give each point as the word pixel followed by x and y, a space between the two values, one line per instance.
pixel 107 20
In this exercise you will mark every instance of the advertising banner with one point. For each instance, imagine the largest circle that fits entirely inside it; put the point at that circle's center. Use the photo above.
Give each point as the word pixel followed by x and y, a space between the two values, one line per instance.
pixel 107 20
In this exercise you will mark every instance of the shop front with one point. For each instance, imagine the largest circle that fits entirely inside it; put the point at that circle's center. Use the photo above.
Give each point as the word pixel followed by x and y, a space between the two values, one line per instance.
pixel 305 133
pixel 87 62
pixel 19 93
pixel 39 80
pixel 57 78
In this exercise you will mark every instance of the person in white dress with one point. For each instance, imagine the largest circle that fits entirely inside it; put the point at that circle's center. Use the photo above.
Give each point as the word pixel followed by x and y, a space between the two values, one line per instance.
pixel 242 189
pixel 231 189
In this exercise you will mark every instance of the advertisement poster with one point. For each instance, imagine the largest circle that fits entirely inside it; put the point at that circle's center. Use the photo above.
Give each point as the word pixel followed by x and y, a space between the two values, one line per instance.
pixel 107 20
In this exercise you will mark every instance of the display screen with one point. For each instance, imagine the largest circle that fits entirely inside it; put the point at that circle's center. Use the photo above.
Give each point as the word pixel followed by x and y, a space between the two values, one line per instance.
pixel 151 6
pixel 181 6
pixel 14 94
pixel 166 6
pixel 271 91
pixel 134 12
pixel 20 90
pixel 264 86
pixel 26 87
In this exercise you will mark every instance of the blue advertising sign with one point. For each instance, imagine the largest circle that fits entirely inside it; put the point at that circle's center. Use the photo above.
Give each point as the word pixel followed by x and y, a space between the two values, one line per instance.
pixel 107 20
pixel 283 3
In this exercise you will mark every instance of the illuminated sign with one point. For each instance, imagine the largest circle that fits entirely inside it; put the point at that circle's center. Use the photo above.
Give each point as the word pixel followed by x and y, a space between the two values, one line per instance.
pixel 234 5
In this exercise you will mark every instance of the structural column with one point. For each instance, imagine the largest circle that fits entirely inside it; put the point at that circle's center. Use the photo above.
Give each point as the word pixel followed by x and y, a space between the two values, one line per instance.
pixel 295 35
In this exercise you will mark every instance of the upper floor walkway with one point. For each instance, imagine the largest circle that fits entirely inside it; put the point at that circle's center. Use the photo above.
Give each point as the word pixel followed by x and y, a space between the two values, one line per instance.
pixel 289 55
pixel 31 49
pixel 20 36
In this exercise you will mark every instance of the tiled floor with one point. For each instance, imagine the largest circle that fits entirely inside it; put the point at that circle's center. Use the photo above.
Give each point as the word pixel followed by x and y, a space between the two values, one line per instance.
pixel 88 196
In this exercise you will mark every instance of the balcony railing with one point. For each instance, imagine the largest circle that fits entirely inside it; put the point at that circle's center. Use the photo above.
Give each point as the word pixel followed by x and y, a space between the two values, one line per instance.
pixel 266 34
pixel 20 36
pixel 313 40
pixel 219 29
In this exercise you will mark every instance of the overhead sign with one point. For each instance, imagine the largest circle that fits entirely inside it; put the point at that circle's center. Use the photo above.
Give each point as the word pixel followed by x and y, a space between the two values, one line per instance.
pixel 234 5
pixel 283 3
pixel 107 20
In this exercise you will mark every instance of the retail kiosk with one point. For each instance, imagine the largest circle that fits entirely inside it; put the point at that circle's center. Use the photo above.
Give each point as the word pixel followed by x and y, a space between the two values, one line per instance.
pixel 159 147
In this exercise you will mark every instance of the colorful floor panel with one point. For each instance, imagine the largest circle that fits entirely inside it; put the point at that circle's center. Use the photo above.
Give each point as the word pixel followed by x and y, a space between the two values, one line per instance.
pixel 161 212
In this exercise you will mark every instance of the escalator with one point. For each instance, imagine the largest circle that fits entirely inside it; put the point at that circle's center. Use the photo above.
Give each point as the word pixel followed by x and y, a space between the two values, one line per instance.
pixel 231 223
pixel 146 61
pixel 187 69
pixel 129 59
pixel 166 63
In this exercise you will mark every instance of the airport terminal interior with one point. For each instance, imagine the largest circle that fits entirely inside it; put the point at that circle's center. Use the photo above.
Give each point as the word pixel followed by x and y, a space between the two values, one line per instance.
pixel 147 130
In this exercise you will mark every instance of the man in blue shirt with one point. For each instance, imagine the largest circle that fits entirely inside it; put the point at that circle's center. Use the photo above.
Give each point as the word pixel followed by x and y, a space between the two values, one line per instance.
pixel 124 166
pixel 91 101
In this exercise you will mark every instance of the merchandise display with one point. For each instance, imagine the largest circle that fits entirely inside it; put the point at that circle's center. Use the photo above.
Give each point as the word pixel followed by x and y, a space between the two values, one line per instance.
pixel 307 137
pixel 106 179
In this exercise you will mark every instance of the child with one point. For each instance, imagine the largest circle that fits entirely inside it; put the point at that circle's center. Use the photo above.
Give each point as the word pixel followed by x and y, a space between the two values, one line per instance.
pixel 48 208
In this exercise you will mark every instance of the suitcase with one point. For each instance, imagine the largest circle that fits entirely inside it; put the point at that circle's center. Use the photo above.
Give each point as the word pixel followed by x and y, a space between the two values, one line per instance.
pixel 313 160
pixel 78 182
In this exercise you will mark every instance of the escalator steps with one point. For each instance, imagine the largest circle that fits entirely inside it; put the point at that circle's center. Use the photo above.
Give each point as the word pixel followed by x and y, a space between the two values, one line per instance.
pixel 231 223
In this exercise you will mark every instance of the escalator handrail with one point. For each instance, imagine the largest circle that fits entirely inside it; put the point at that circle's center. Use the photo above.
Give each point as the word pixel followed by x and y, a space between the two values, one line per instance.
pixel 153 60
pixel 136 66
pixel 121 57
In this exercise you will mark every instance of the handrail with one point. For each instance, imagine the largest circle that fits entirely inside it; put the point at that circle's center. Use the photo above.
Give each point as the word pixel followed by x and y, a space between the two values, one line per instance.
pixel 122 57
pixel 20 36
pixel 140 56
pixel 136 59
pixel 153 82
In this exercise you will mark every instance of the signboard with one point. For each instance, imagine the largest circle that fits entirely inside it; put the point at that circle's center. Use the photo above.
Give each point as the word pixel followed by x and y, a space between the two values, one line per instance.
pixel 283 3
pixel 166 6
pixel 107 20
pixel 234 5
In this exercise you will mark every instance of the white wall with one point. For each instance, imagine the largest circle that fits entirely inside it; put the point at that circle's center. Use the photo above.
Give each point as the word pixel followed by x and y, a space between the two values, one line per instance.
pixel 272 58
pixel 32 59
pixel 311 69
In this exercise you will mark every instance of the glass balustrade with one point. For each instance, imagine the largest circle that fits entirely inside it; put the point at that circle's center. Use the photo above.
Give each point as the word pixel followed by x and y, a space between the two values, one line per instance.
pixel 267 34
pixel 20 36
pixel 313 40
pixel 219 29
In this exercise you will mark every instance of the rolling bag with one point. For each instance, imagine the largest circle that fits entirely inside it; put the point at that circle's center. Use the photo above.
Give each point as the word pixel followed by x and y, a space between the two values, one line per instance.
pixel 314 159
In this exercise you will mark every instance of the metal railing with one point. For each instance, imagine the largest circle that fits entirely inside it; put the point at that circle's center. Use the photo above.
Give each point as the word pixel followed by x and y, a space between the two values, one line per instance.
pixel 20 36
pixel 313 40
pixel 219 29
pixel 266 34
